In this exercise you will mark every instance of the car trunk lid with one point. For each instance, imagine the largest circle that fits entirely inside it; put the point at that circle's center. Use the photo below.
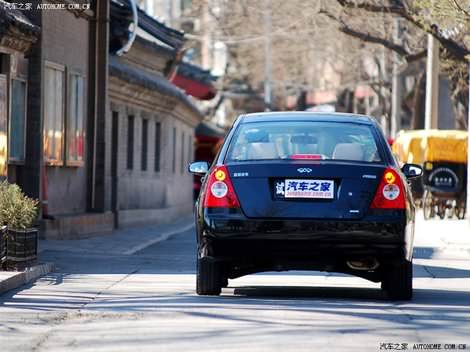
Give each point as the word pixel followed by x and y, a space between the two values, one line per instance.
pixel 270 189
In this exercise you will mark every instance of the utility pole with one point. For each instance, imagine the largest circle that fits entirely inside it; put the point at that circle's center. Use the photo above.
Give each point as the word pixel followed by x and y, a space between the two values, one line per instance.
pixel 397 86
pixel 383 74
pixel 206 57
pixel 432 84
pixel 267 55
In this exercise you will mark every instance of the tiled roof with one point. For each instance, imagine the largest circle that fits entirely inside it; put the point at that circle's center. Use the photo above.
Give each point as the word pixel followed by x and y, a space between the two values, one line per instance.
pixel 195 72
pixel 16 19
pixel 121 16
pixel 150 81
pixel 167 35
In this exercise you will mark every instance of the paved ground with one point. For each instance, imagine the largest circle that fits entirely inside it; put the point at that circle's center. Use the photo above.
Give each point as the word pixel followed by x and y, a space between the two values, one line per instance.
pixel 101 300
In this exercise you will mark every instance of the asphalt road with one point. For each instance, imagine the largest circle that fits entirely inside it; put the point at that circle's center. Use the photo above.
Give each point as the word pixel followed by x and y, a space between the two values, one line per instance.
pixel 146 302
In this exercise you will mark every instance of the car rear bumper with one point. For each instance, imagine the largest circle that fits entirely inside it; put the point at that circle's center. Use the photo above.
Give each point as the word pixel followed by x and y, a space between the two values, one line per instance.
pixel 235 236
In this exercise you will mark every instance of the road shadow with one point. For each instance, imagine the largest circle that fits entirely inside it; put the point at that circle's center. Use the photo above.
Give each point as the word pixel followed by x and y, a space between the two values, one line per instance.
pixel 359 294
pixel 128 300
pixel 429 309
pixel 440 272
pixel 294 292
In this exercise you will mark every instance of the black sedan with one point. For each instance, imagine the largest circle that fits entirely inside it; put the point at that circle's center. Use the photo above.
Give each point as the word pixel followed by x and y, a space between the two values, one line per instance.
pixel 305 191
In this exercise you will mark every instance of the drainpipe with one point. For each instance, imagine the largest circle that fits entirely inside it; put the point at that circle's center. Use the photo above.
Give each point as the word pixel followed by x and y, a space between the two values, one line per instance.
pixel 98 106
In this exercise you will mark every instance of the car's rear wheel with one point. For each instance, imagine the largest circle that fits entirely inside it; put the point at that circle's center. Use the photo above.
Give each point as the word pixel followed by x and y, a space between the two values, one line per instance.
pixel 398 281
pixel 208 280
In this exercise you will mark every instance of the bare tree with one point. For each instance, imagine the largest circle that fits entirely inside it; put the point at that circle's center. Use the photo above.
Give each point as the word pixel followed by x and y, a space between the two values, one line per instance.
pixel 447 20
pixel 313 46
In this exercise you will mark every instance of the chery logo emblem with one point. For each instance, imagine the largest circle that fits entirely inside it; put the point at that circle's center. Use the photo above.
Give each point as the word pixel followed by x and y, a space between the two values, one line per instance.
pixel 304 169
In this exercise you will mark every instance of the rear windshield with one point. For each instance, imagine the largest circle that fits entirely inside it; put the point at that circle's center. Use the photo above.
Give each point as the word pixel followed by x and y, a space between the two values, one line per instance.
pixel 303 140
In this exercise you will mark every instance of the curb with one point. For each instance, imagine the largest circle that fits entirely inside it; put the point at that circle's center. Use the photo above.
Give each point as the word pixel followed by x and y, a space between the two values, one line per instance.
pixel 162 237
pixel 25 277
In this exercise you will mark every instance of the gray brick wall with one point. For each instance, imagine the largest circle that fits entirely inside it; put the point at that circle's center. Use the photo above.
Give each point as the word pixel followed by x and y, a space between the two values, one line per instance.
pixel 65 42
pixel 149 189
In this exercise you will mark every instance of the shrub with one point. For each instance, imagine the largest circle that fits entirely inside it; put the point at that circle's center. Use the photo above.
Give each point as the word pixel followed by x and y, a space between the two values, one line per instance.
pixel 17 210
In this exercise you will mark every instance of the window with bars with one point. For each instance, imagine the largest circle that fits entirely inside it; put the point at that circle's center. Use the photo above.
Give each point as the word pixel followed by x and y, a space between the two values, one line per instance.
pixel 182 153
pixel 158 136
pixel 190 148
pixel 145 136
pixel 130 142
pixel 174 150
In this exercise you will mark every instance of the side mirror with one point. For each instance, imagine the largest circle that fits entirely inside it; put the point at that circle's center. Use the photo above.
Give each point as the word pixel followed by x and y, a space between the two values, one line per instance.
pixel 412 170
pixel 199 167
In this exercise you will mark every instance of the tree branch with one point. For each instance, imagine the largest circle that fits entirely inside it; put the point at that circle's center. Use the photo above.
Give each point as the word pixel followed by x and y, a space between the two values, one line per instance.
pixel 417 56
pixel 393 9
pixel 460 8
pixel 367 37
pixel 455 49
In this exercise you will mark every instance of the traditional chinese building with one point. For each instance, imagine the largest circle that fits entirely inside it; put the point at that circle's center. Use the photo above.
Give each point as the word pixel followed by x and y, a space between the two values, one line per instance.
pixel 195 81
pixel 99 135
pixel 152 128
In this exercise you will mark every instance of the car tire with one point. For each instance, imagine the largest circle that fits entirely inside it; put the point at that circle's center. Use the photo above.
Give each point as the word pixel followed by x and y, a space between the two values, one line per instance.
pixel 208 280
pixel 398 281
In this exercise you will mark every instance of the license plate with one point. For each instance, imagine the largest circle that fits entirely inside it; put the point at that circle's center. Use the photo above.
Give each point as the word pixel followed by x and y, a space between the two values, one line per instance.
pixel 305 188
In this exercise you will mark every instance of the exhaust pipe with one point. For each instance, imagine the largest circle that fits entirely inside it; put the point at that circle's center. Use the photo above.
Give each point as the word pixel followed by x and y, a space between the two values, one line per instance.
pixel 366 264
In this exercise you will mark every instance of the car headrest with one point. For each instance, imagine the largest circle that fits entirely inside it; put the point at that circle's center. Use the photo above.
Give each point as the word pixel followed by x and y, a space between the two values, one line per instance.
pixel 262 151
pixel 348 151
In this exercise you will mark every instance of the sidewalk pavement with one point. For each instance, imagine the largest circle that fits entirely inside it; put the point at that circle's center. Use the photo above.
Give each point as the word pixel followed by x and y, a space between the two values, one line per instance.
pixel 125 241
pixel 120 242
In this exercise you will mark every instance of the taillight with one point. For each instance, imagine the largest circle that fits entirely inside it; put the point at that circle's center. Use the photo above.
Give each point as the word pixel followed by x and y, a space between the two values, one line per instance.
pixel 390 193
pixel 219 190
